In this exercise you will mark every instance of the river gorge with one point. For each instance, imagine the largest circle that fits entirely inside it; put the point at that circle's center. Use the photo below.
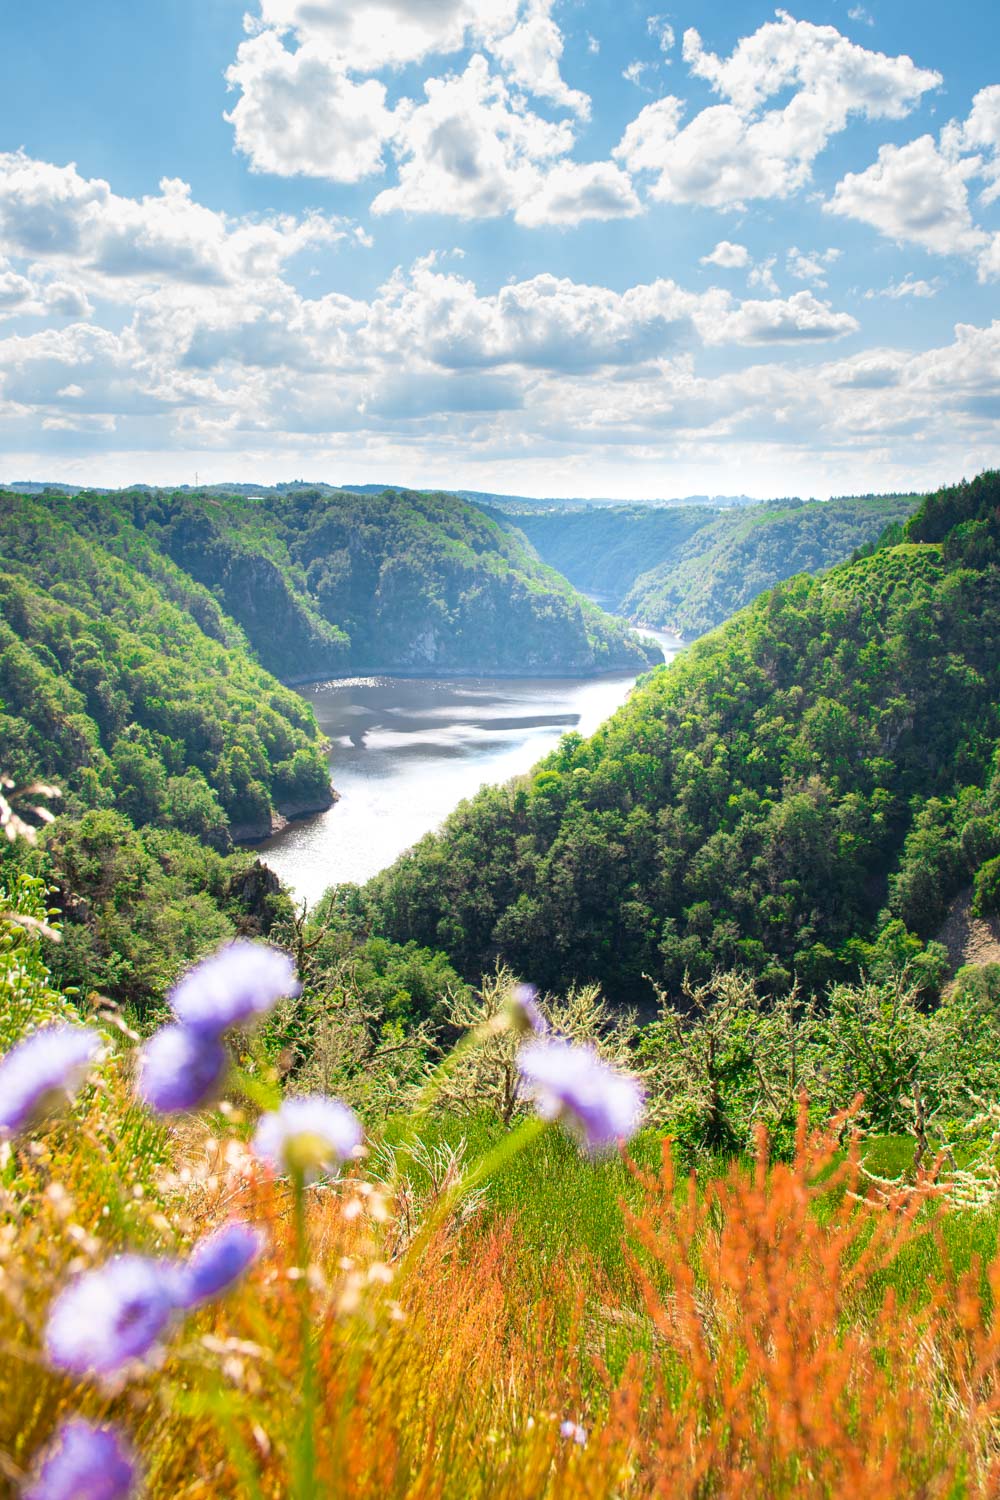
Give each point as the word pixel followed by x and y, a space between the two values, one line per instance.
pixel 405 751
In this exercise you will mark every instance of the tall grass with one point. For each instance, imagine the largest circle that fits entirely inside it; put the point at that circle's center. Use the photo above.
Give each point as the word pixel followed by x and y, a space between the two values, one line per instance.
pixel 763 1330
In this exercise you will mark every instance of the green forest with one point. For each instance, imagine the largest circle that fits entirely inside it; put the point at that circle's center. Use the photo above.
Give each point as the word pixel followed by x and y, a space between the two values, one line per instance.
pixel 323 582
pixel 689 568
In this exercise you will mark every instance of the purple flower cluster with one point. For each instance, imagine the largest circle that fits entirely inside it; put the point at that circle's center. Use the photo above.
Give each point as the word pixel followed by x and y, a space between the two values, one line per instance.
pixel 571 1083
pixel 309 1136
pixel 217 1264
pixel 116 1314
pixel 236 986
pixel 40 1072
pixel 184 1065
pixel 84 1463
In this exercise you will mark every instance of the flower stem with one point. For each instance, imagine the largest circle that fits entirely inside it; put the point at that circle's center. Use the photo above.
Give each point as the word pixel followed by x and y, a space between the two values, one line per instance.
pixel 304 1487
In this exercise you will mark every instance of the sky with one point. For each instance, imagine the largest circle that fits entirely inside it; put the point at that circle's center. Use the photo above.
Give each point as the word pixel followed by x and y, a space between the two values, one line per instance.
pixel 548 247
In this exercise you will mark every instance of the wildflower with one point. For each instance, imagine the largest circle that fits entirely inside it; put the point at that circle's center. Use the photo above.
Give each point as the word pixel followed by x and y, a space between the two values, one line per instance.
pixel 110 1316
pixel 309 1136
pixel 40 1071
pixel 524 1013
pixel 84 1463
pixel 217 1264
pixel 180 1070
pixel 571 1083
pixel 234 987
pixel 573 1430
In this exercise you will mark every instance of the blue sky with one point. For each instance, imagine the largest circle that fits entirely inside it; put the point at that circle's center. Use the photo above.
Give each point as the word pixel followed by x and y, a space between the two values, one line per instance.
pixel 578 249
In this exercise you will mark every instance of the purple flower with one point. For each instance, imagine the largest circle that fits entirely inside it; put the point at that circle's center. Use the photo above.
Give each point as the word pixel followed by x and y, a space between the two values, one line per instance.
pixel 84 1463
pixel 240 983
pixel 40 1071
pixel 110 1316
pixel 310 1135
pixel 525 1014
pixel 180 1070
pixel 571 1083
pixel 573 1430
pixel 217 1264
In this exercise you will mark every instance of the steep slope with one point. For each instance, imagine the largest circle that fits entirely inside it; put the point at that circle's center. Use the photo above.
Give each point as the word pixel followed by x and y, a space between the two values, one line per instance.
pixel 727 564
pixel 323 582
pixel 126 683
pixel 604 551
pixel 818 775
pixel 690 568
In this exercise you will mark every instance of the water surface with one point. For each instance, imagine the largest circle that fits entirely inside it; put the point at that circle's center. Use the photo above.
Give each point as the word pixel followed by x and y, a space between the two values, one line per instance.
pixel 405 751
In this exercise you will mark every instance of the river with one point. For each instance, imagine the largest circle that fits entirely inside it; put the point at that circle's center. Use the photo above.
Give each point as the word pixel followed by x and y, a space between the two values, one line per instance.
pixel 405 751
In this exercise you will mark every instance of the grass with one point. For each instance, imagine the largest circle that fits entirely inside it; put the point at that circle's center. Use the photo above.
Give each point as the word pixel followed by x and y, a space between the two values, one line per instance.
pixel 753 1331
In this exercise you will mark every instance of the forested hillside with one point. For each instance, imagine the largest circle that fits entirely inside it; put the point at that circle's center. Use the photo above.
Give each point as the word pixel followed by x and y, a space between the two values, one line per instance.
pixel 688 569
pixel 727 564
pixel 126 683
pixel 323 582
pixel 802 792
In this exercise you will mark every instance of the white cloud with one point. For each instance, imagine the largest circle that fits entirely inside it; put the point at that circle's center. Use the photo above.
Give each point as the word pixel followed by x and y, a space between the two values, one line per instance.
pixel 530 55
pixel 573 192
pixel 810 265
pixel 727 255
pixel 796 319
pixel 635 72
pixel 67 300
pixel 476 150
pixel 919 193
pixel 660 28
pixel 914 194
pixel 593 45
pixel 302 110
pixel 368 35
pixel 979 133
pixel 736 151
pixel 762 275
pixel 858 13
pixel 15 291
pixel 54 214
pixel 300 114
pixel 910 286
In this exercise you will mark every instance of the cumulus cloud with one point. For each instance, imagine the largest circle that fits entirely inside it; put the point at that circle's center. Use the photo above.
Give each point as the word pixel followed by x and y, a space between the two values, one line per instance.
pixel 915 194
pixel 474 149
pixel 919 193
pixel 302 110
pixel 530 55
pixel 727 255
pixel 54 214
pixel 736 151
pixel 762 275
pixel 801 318
pixel 368 35
pixel 300 114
